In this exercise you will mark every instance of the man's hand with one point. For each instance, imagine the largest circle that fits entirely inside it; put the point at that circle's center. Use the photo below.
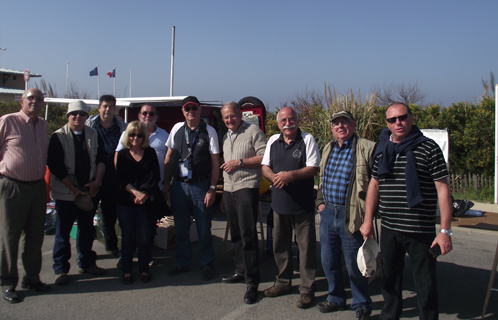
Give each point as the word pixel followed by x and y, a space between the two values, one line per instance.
pixel 76 191
pixel 444 242
pixel 230 166
pixel 209 198
pixel 93 188
pixel 321 207
pixel 282 179
pixel 366 230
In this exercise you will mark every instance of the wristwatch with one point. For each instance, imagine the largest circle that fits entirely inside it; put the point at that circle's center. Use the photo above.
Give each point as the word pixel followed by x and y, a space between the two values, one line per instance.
pixel 447 232
pixel 241 163
pixel 213 187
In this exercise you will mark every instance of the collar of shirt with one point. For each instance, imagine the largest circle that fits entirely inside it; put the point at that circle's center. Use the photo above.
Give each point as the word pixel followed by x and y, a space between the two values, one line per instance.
pixel 346 144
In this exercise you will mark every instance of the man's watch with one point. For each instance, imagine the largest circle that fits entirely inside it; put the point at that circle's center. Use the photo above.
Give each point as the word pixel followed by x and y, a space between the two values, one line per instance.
pixel 213 188
pixel 241 163
pixel 447 232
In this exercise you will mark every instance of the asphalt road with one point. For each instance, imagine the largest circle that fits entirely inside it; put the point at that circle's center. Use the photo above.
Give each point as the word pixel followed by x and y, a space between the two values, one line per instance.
pixel 463 277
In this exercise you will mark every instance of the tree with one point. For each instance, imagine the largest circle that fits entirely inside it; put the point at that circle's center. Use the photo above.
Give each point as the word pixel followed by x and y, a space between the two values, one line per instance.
pixel 408 93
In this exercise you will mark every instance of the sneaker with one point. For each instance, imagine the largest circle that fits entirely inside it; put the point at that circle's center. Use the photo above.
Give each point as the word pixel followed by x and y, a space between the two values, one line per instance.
pixel 305 300
pixel 39 286
pixel 207 273
pixel 61 279
pixel 362 313
pixel 94 271
pixel 275 291
pixel 328 306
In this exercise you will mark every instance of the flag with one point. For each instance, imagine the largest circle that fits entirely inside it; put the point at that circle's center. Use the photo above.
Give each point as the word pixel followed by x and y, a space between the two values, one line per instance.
pixel 112 74
pixel 94 72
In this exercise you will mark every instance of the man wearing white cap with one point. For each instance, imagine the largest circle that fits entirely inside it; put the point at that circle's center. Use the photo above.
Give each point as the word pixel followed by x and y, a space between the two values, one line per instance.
pixel 344 177
pixel 76 159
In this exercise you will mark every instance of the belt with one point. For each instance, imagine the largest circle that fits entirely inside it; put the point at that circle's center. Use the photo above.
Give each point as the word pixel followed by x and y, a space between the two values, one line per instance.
pixel 194 180
pixel 20 181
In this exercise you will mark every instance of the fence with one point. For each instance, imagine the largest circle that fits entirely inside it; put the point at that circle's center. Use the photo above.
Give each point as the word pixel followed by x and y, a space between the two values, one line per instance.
pixel 464 182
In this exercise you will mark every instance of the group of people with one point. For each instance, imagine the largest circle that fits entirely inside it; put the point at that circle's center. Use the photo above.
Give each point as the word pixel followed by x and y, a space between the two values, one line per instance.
pixel 124 167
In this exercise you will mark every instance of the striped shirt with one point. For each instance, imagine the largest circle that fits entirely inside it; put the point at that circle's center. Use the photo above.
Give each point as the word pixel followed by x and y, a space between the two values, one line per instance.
pixel 23 147
pixel 396 215
pixel 337 173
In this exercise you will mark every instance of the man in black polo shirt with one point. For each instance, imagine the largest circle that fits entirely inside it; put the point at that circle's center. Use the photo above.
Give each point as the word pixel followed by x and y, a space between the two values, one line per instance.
pixel 193 162
pixel 290 162
pixel 409 176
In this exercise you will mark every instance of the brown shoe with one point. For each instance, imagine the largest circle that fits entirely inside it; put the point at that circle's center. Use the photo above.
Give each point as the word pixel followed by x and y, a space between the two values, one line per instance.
pixel 275 291
pixel 61 279
pixel 305 300
pixel 94 271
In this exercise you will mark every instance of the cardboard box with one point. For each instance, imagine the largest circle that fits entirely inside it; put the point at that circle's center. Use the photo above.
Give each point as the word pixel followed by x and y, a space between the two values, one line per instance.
pixel 165 235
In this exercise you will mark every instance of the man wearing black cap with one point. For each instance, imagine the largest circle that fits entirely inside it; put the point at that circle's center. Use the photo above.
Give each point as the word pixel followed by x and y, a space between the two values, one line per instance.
pixel 344 177
pixel 76 159
pixel 193 162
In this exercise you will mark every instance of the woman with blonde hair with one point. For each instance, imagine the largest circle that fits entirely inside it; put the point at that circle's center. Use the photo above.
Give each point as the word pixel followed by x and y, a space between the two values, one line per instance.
pixel 138 176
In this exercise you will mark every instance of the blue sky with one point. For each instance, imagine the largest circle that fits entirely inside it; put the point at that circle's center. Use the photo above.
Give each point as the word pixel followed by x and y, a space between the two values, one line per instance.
pixel 273 50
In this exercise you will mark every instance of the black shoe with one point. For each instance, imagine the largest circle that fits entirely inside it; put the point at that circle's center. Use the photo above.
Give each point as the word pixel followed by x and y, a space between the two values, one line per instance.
pixel 251 295
pixel 177 270
pixel 39 286
pixel 10 296
pixel 236 278
pixel 328 306
pixel 362 313
pixel 207 273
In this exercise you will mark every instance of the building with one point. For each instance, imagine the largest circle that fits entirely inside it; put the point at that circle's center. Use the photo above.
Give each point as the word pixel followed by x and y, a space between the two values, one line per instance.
pixel 12 84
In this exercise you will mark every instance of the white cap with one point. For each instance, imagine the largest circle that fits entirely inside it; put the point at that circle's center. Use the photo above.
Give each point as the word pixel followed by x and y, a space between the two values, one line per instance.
pixel 367 258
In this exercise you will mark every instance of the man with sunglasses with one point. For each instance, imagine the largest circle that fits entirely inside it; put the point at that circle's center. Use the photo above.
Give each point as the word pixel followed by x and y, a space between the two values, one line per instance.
pixel 194 163
pixel 409 176
pixel 76 159
pixel 344 177
pixel 109 127
pixel 23 151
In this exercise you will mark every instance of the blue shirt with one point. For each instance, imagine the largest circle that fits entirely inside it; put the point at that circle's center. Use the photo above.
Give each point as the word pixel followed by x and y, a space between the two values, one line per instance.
pixel 337 173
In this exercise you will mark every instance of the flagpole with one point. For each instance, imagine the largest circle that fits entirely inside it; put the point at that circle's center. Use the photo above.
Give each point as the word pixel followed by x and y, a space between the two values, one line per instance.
pixel 114 76
pixel 172 62
pixel 130 83
pixel 67 76
pixel 98 83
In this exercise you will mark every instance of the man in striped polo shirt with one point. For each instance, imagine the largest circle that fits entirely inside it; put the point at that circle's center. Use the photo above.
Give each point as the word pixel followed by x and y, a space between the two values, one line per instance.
pixel 409 176
pixel 243 148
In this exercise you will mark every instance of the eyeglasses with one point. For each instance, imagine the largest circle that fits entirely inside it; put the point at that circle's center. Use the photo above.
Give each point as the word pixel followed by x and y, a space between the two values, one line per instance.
pixel 137 135
pixel 76 113
pixel 37 99
pixel 284 121
pixel 336 123
pixel 400 118
pixel 187 109
pixel 151 114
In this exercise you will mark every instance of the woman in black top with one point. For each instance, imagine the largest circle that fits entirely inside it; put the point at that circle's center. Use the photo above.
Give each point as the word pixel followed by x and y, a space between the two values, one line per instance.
pixel 138 176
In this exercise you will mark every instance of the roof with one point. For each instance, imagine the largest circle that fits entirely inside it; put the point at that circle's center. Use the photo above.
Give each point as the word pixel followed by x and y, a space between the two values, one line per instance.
pixel 131 102
pixel 17 72
pixel 11 91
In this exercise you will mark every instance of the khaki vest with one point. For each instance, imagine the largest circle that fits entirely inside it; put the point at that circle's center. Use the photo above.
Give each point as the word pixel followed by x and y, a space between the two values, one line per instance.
pixel 58 190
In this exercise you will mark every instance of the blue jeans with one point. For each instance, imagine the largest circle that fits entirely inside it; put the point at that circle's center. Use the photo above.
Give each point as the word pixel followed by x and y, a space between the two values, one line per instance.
pixel 67 213
pixel 136 228
pixel 186 200
pixel 333 236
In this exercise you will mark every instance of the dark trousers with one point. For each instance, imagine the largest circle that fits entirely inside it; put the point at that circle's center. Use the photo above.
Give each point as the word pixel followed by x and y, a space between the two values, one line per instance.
pixel 304 227
pixel 241 207
pixel 136 228
pixel 66 214
pixel 22 220
pixel 394 245
pixel 107 198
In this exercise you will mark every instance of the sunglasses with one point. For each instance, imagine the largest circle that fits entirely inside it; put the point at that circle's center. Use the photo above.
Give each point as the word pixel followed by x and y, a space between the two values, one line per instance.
pixel 138 135
pixel 151 114
pixel 193 108
pixel 336 123
pixel 76 113
pixel 35 98
pixel 400 118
